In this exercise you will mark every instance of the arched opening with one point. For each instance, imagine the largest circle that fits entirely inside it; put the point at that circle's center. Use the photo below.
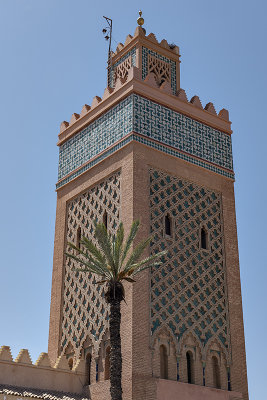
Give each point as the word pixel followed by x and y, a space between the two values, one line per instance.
pixel 216 373
pixel 70 362
pixel 88 363
pixel 105 219
pixel 168 230
pixel 163 362
pixel 204 239
pixel 190 367
pixel 78 237
pixel 107 364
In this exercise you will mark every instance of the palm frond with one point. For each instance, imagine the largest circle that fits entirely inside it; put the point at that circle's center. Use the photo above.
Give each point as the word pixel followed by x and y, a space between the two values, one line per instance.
pixel 104 242
pixel 155 264
pixel 130 239
pixel 89 257
pixel 149 259
pixel 118 241
pixel 110 258
pixel 89 245
pixel 136 254
pixel 90 266
pixel 129 279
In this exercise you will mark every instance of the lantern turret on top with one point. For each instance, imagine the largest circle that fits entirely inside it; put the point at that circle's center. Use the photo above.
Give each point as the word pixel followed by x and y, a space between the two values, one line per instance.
pixel 151 56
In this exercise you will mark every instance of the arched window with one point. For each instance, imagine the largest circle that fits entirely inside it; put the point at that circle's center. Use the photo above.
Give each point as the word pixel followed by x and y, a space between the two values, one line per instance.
pixel 163 362
pixel 190 367
pixel 204 239
pixel 70 362
pixel 78 237
pixel 107 364
pixel 88 368
pixel 216 373
pixel 105 219
pixel 168 230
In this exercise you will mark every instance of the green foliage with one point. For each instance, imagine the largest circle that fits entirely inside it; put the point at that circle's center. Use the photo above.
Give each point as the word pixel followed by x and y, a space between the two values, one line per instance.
pixel 112 259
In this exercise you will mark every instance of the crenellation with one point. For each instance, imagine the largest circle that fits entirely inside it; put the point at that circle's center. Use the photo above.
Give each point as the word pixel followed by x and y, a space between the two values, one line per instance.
pixel 139 31
pixel 119 83
pixel 23 374
pixel 164 44
pixel 210 108
pixel 24 357
pixel 162 76
pixel 128 40
pixel 43 361
pixel 85 110
pixel 74 118
pixel 224 114
pixel 181 95
pixel 119 47
pixel 134 74
pixel 5 354
pixel 196 102
pixel 166 87
pixel 63 126
pixel 107 92
pixel 151 80
pixel 96 100
pixel 152 38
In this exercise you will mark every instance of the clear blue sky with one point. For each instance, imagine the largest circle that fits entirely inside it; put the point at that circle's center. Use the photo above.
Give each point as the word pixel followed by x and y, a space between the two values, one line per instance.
pixel 53 60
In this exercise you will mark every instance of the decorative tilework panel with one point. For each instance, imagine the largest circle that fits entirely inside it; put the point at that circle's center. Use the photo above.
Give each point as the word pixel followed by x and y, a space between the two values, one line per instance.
pixel 149 143
pixel 145 53
pixel 95 138
pixel 181 132
pixel 96 160
pixel 85 311
pixel 132 54
pixel 188 290
pixel 182 156
pixel 162 128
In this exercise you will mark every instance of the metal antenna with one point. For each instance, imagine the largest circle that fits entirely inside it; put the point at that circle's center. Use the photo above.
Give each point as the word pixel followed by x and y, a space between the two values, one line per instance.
pixel 108 36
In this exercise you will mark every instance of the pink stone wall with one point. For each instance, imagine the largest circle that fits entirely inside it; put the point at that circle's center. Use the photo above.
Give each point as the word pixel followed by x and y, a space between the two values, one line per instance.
pixel 170 390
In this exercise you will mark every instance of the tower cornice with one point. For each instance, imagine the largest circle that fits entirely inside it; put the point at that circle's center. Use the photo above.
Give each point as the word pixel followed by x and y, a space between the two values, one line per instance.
pixel 149 89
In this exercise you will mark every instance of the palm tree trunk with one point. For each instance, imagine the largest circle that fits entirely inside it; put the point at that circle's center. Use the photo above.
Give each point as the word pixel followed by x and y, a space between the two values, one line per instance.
pixel 115 349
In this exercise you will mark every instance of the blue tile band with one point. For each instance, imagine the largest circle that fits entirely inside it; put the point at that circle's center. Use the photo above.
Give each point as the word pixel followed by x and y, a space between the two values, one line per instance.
pixel 161 128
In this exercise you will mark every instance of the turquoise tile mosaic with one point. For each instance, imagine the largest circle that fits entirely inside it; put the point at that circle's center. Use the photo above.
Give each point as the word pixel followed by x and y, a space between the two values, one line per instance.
pixel 145 53
pixel 181 132
pixel 98 136
pixel 90 164
pixel 185 157
pixel 157 126
pixel 131 53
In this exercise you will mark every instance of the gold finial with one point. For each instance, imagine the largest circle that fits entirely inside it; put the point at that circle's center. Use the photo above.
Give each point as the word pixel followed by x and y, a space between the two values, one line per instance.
pixel 140 20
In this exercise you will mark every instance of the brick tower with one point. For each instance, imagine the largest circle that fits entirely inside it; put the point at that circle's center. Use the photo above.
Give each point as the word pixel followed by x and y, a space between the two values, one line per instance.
pixel 145 152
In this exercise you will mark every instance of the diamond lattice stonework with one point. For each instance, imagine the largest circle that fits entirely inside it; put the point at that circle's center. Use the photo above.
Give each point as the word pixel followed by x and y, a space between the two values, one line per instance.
pixel 188 291
pixel 85 311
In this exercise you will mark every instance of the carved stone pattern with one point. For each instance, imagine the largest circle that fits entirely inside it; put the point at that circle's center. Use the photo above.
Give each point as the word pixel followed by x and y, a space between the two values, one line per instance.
pixel 161 69
pixel 132 55
pixel 85 311
pixel 122 69
pixel 188 291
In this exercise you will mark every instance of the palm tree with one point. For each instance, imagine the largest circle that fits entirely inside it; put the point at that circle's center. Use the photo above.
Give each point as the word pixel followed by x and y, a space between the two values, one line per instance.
pixel 112 260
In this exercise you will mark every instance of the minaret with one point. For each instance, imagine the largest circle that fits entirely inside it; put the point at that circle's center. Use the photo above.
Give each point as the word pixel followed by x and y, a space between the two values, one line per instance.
pixel 144 151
